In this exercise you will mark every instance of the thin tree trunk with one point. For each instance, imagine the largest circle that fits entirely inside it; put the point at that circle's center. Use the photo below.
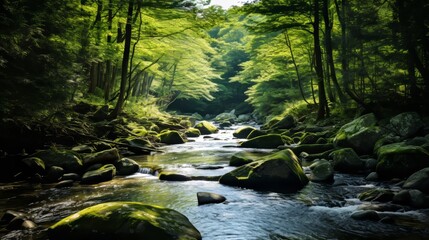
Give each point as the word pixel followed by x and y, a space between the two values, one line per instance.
pixel 298 76
pixel 323 103
pixel 125 60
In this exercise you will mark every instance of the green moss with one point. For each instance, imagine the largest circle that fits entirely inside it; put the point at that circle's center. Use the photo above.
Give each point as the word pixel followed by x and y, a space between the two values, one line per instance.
pixel 67 160
pixel 206 127
pixel 124 220
pixel 255 133
pixel 265 141
pixel 243 132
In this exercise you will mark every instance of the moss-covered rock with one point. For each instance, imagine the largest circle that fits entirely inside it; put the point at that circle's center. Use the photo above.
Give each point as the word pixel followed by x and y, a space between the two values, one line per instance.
pixel 279 172
pixel 321 171
pixel 286 122
pixel 312 148
pixel 380 195
pixel 242 158
pixel 33 165
pixel 171 137
pixel 192 132
pixel 346 160
pixel 406 124
pixel 360 134
pixel 399 160
pixel 103 174
pixel 206 128
pixel 309 138
pixel 418 180
pixel 226 117
pixel 243 132
pixel 124 220
pixel 67 160
pixel 265 141
pixel 255 133
pixel 126 166
pixel 103 157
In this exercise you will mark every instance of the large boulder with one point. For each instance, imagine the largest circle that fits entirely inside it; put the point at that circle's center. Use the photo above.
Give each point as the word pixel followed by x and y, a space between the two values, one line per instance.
pixel 126 166
pixel 265 141
pixel 124 220
pixel 321 171
pixel 171 137
pixel 206 127
pixel 243 132
pixel 418 180
pixel 399 160
pixel 67 160
pixel 242 158
pixel 406 124
pixel 286 122
pixel 346 160
pixel 103 157
pixel 192 132
pixel 278 172
pixel 360 134
pixel 102 174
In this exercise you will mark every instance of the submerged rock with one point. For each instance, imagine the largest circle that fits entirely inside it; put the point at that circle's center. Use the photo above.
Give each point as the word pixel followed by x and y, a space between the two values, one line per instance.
pixel 171 176
pixel 206 128
pixel 278 172
pixel 124 220
pixel 399 160
pixel 265 141
pixel 243 132
pixel 207 198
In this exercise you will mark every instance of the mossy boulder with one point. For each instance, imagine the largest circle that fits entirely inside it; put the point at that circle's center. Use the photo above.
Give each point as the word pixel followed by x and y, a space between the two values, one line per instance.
pixel 242 158
pixel 192 132
pixel 418 180
pixel 126 166
pixel 103 174
pixel 243 132
pixel 278 172
pixel 380 195
pixel 103 157
pixel 256 133
pixel 33 165
pixel 286 122
pixel 206 127
pixel 346 160
pixel 360 134
pixel 399 160
pixel 312 148
pixel 265 141
pixel 67 160
pixel 309 138
pixel 321 171
pixel 124 220
pixel 171 137
pixel 406 124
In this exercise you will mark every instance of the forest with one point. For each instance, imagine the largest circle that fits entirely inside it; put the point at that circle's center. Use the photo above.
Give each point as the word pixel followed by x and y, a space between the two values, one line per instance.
pixel 114 114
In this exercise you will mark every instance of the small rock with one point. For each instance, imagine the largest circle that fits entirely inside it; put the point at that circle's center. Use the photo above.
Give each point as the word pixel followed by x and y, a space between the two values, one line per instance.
pixel 207 198
pixel 105 173
pixel 20 223
pixel 54 174
pixel 243 132
pixel 11 214
pixel 402 197
pixel 418 199
pixel 380 195
pixel 34 165
pixel 373 177
pixel 126 166
pixel 72 176
pixel 103 157
pixel 321 171
pixel 346 160
pixel 83 149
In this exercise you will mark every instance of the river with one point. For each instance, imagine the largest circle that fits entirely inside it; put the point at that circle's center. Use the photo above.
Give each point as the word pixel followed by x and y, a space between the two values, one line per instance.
pixel 319 211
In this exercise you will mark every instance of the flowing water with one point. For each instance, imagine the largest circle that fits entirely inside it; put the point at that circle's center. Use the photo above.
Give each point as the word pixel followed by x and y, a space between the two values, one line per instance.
pixel 319 211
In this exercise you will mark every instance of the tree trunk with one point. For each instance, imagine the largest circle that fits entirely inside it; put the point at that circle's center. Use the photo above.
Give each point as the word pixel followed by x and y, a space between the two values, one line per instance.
pixel 329 55
pixel 298 76
pixel 125 61
pixel 323 103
